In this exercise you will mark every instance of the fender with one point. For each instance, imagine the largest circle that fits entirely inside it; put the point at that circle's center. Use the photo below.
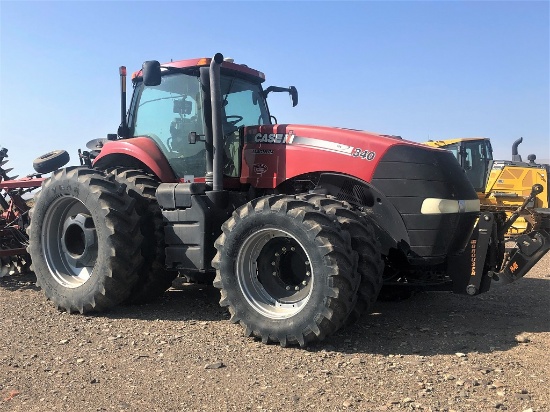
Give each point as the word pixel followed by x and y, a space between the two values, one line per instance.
pixel 389 225
pixel 143 150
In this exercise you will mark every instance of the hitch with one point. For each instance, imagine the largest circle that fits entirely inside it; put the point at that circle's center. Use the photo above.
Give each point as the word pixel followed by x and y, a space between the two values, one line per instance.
pixel 85 158
pixel 535 190
pixel 529 249
pixel 484 261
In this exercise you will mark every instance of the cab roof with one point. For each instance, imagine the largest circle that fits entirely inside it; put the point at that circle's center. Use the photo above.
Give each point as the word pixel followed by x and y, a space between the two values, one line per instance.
pixel 447 142
pixel 205 62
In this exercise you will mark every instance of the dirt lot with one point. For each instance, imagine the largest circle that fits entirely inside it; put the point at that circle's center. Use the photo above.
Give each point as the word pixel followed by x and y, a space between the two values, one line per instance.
pixel 434 352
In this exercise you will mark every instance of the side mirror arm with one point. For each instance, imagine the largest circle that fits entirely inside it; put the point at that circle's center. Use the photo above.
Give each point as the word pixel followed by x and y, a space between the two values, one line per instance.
pixel 291 90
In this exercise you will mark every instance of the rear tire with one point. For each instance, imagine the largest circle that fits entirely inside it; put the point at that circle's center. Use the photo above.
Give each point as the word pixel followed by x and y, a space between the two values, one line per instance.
pixel 370 267
pixel 84 241
pixel 285 271
pixel 154 280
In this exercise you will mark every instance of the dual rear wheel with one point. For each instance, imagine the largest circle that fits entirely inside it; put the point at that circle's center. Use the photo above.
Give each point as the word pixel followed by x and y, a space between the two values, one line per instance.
pixel 96 239
pixel 84 240
pixel 289 270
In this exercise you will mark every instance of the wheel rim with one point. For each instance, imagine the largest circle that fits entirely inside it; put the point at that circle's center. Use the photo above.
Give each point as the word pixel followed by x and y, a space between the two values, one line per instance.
pixel 274 273
pixel 70 242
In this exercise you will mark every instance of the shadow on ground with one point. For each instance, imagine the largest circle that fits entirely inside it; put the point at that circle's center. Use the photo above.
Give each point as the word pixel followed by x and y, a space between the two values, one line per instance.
pixel 426 324
pixel 19 282
pixel 444 323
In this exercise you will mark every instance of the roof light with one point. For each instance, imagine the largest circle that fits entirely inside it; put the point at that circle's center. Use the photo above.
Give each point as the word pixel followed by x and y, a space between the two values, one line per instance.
pixel 229 60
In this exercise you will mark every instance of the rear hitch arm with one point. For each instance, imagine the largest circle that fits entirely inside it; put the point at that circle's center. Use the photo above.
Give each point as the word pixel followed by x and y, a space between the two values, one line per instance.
pixel 535 190
pixel 483 262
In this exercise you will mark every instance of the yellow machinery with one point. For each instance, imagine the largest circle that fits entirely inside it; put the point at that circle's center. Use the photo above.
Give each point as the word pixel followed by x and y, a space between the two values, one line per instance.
pixel 503 185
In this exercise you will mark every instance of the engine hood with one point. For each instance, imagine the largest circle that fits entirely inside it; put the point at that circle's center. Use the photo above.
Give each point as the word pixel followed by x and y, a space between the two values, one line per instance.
pixel 274 153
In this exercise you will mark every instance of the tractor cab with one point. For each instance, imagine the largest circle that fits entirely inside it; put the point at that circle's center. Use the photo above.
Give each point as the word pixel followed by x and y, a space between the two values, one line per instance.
pixel 171 105
pixel 173 114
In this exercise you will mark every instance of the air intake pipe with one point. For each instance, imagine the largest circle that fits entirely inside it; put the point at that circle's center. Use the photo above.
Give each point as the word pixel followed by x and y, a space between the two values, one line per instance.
pixel 217 131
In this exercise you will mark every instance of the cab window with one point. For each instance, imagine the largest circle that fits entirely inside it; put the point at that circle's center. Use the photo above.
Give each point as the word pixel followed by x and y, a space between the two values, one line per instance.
pixel 167 113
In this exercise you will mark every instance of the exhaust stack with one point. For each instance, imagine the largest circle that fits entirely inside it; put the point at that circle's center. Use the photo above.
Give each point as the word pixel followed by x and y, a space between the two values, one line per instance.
pixel 123 128
pixel 515 156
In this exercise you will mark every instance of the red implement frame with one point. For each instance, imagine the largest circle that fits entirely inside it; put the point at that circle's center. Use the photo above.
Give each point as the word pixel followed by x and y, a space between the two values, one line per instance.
pixel 14 219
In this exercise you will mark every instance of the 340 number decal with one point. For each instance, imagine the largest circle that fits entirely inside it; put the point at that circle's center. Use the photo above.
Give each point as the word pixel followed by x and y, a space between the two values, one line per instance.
pixel 363 154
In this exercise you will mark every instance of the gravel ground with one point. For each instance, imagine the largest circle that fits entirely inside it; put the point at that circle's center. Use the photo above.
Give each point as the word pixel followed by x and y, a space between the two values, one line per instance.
pixel 433 352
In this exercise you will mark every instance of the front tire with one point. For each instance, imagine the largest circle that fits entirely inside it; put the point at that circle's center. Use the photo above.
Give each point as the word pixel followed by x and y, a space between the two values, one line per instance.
pixel 84 240
pixel 285 271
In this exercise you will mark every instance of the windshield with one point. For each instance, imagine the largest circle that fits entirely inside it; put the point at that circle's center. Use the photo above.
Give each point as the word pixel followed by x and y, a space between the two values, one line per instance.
pixel 169 112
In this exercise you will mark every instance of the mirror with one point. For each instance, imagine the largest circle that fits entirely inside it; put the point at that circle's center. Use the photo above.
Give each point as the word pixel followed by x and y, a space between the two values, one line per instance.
pixel 150 71
pixel 294 95
pixel 183 107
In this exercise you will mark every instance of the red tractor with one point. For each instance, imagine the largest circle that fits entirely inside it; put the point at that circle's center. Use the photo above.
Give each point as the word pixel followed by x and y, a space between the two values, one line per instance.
pixel 300 225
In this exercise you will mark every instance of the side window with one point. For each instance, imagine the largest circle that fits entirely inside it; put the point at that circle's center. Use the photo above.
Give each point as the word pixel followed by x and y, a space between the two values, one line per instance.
pixel 454 150
pixel 242 105
pixel 167 113
pixel 468 158
pixel 476 164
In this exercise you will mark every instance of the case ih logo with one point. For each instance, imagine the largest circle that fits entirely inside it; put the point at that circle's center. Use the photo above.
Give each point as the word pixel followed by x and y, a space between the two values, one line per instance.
pixel 259 168
pixel 269 138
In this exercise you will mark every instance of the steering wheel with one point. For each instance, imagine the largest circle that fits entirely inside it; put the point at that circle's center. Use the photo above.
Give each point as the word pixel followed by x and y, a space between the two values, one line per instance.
pixel 236 119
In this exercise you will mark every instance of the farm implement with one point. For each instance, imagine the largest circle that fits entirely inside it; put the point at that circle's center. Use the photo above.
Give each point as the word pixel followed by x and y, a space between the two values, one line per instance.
pixel 15 204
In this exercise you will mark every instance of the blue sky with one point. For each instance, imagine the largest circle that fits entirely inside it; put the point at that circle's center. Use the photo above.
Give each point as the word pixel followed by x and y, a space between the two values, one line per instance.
pixel 422 70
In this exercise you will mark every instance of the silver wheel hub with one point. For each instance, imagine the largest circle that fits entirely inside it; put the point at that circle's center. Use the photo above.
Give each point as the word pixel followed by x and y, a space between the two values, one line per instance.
pixel 274 273
pixel 79 240
pixel 69 242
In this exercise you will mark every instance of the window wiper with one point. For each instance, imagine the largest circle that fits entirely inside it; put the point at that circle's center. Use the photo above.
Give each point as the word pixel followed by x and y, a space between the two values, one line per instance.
pixel 224 102
pixel 160 98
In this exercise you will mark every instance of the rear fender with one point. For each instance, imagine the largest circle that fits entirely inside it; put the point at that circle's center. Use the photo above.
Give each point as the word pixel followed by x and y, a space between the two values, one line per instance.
pixel 133 152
